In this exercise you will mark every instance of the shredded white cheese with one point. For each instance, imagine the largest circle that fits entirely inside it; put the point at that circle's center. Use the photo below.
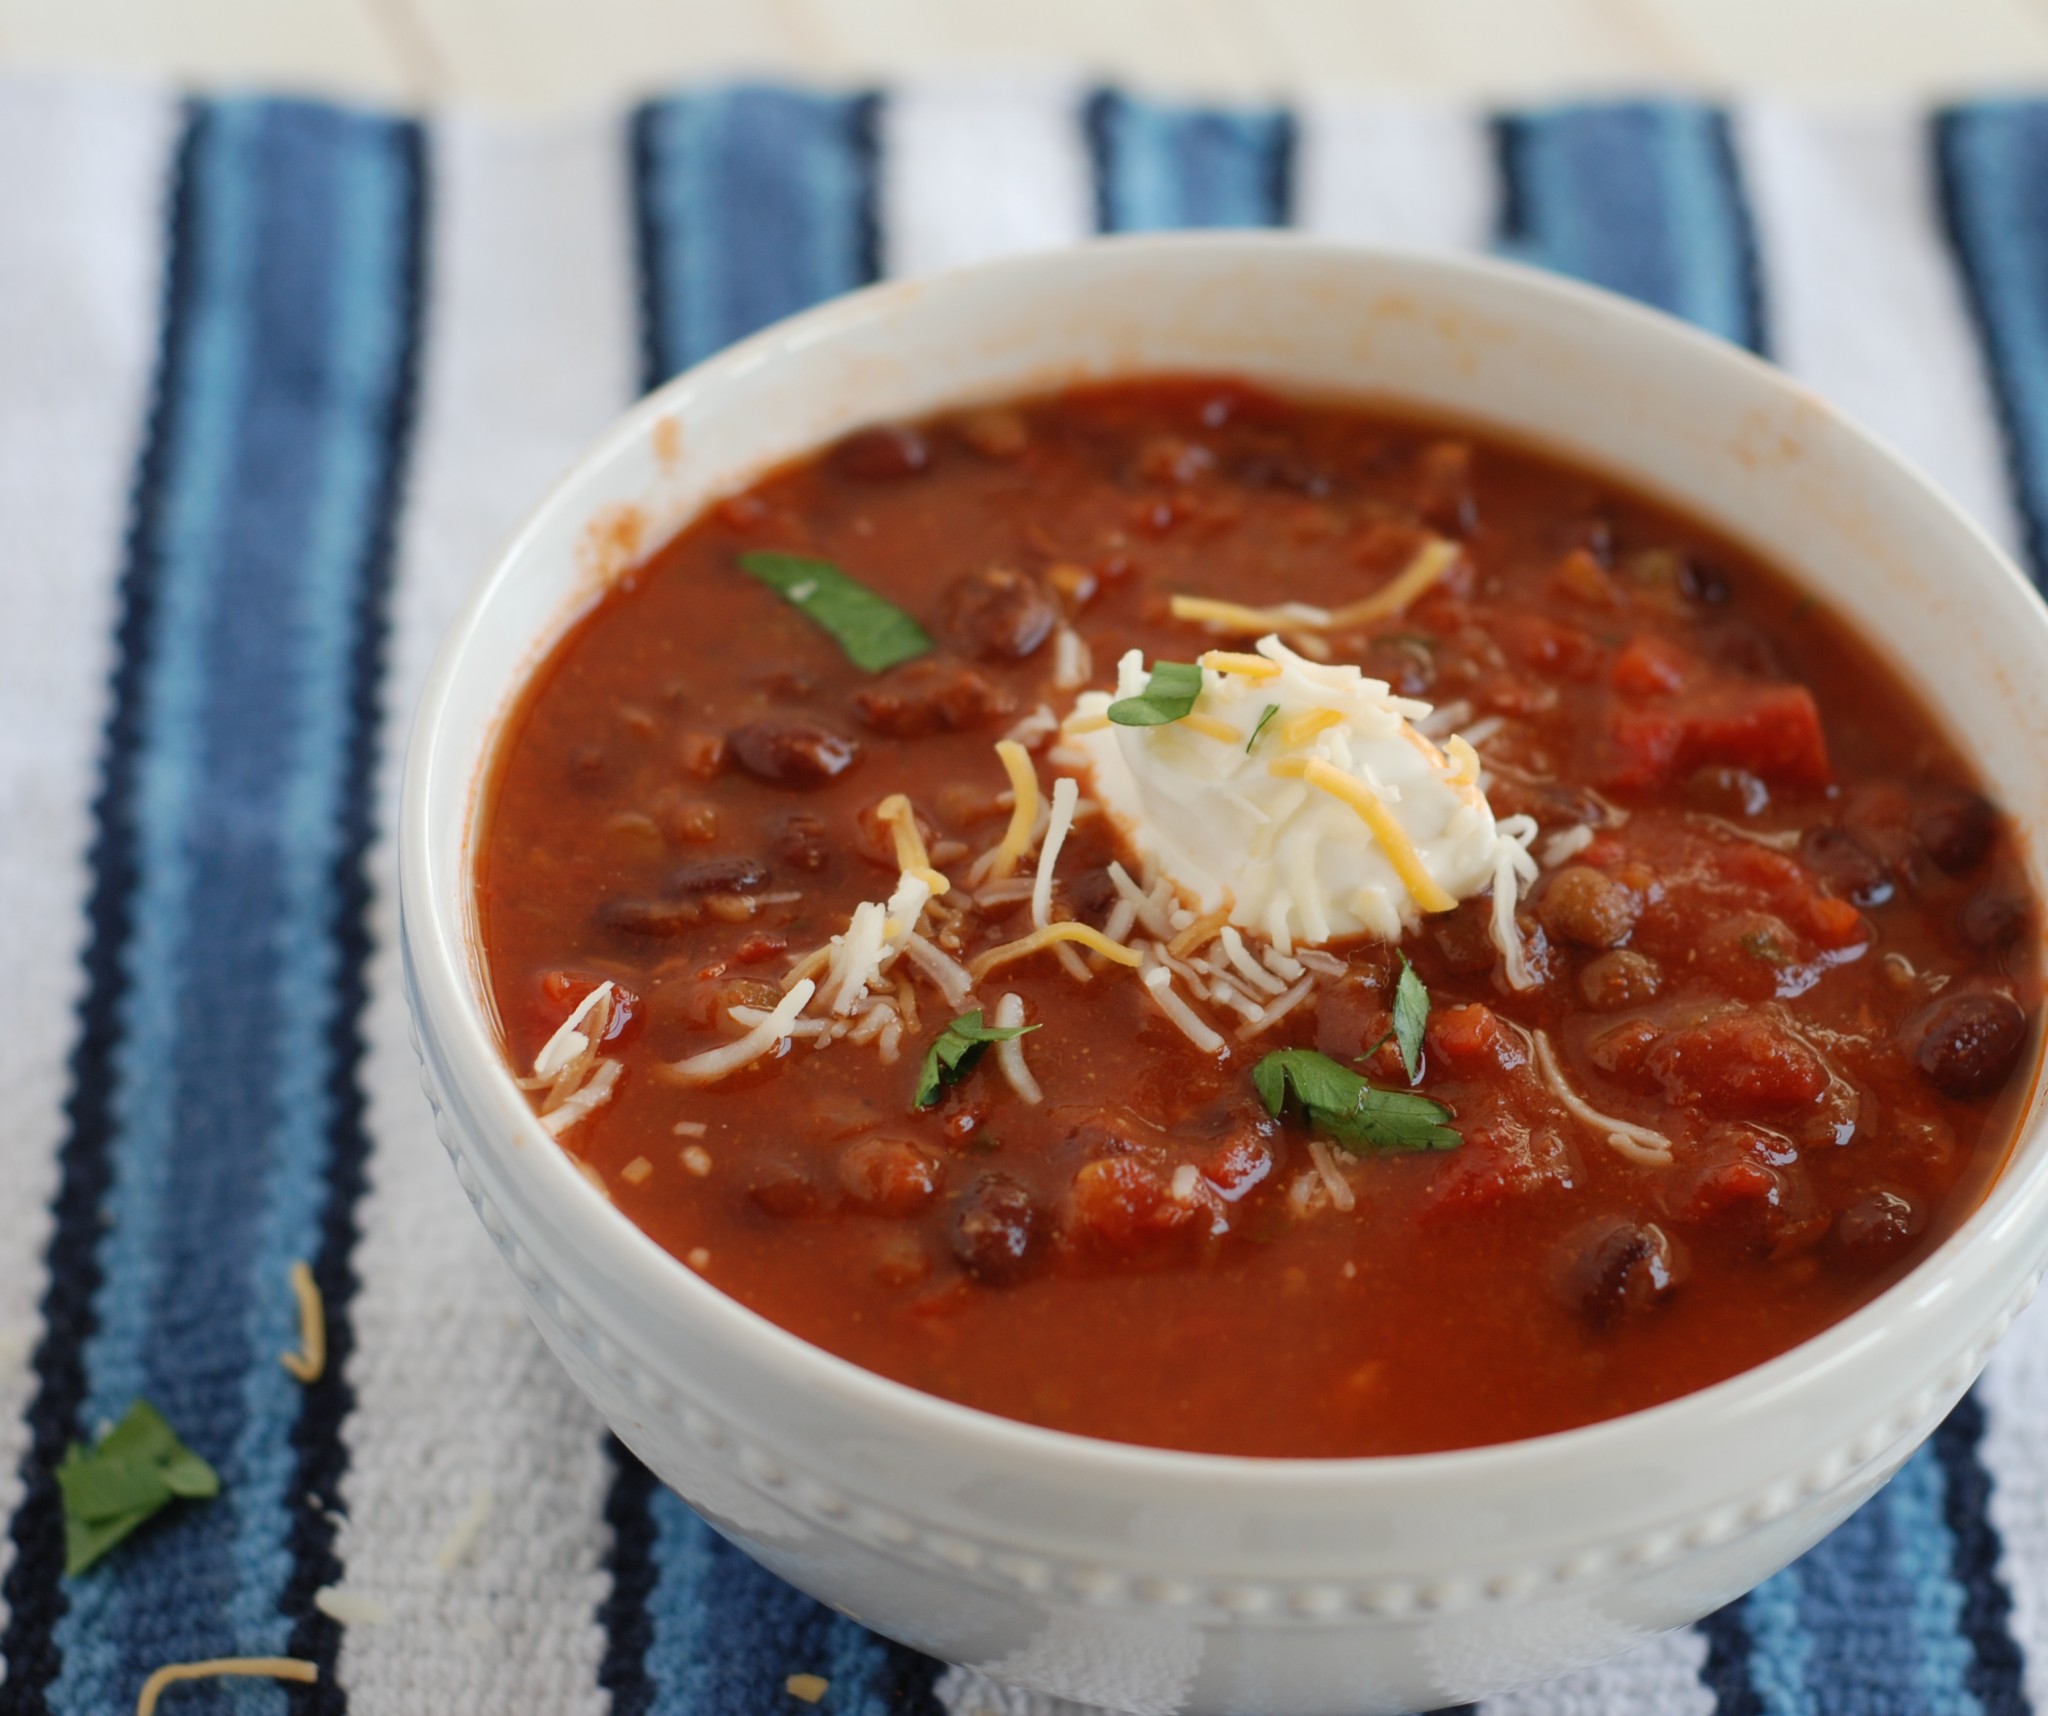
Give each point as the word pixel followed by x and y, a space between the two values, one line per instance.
pixel 1640 1144
pixel 1010 1055
pixel 762 1039
pixel 1064 792
pixel 595 1092
pixel 569 1042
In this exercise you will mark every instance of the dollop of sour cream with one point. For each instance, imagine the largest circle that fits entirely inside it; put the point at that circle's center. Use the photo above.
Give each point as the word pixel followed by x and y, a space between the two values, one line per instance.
pixel 1301 796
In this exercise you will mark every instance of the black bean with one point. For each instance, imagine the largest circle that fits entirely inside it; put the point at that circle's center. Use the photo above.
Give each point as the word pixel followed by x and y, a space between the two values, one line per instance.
pixel 1875 1221
pixel 1620 1269
pixel 998 614
pixel 719 876
pixel 794 753
pixel 784 1189
pixel 1701 581
pixel 1992 919
pixel 1965 1043
pixel 997 1231
pixel 802 842
pixel 885 453
pixel 1847 865
pixel 650 917
pixel 1728 791
pixel 1957 830
pixel 927 697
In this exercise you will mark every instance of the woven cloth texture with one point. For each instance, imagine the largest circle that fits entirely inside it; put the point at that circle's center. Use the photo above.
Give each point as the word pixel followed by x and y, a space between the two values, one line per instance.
pixel 275 379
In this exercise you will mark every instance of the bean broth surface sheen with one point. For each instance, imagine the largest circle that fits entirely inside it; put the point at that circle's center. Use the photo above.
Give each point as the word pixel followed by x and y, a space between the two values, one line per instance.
pixel 1795 938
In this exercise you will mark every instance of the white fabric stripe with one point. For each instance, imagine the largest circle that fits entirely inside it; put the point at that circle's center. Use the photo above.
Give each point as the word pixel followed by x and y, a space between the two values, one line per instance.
pixel 83 175
pixel 1662 1676
pixel 1861 295
pixel 529 353
pixel 973 171
pixel 1392 174
pixel 2014 1392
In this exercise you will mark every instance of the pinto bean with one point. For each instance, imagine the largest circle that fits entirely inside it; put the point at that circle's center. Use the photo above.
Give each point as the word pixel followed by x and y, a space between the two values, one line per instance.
pixel 998 614
pixel 885 453
pixel 1619 979
pixel 997 1231
pixel 1964 1043
pixel 802 842
pixel 1620 1269
pixel 785 1190
pixel 889 1176
pixel 1586 906
pixel 793 753
pixel 926 697
pixel 1957 830
pixel 719 876
pixel 1992 919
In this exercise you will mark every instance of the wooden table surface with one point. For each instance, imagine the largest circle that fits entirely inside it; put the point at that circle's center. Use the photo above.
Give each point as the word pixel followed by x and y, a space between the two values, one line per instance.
pixel 530 55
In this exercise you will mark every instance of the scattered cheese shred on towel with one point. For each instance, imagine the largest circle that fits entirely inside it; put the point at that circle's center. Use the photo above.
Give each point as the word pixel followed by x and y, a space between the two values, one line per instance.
pixel 310 1360
pixel 219 1667
pixel 809 1687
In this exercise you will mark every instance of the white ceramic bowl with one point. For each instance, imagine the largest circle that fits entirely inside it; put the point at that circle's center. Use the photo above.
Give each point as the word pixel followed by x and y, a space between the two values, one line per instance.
pixel 1129 1577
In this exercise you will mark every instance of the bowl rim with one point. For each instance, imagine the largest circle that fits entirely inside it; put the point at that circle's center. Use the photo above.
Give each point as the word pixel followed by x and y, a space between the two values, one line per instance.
pixel 439 959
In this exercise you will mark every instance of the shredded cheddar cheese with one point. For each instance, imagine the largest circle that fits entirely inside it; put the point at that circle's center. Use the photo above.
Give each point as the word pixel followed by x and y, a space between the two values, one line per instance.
pixel 311 1359
pixel 911 856
pixel 1436 557
pixel 1372 811
pixel 1305 727
pixel 221 1667
pixel 1086 934
pixel 1249 666
pixel 1023 815
pixel 1211 728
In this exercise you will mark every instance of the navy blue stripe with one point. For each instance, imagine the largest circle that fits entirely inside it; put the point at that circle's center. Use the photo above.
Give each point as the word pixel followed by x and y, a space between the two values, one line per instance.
pixel 750 204
pixel 1644 198
pixel 1726 1672
pixel 35 1592
pixel 1991 163
pixel 233 1139
pixel 1160 166
pixel 1996 1673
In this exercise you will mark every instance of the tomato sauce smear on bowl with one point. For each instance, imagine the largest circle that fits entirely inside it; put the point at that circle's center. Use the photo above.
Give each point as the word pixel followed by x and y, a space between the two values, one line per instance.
pixel 1736 1028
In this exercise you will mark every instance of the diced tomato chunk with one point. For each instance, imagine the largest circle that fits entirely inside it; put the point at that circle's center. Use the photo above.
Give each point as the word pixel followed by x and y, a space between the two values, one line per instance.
pixel 1470 1040
pixel 1833 922
pixel 1736 1064
pixel 1500 1160
pixel 1773 731
pixel 1649 666
pixel 1554 646
pixel 1123 1205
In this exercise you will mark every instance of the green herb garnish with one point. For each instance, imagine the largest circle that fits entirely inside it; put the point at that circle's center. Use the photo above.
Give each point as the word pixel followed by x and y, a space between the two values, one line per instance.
pixel 955 1050
pixel 132 1474
pixel 873 631
pixel 1343 1106
pixel 1259 726
pixel 1169 694
pixel 1764 945
pixel 1411 1014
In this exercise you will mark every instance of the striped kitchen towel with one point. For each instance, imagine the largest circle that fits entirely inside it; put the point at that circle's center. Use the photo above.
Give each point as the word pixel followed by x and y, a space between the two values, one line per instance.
pixel 275 378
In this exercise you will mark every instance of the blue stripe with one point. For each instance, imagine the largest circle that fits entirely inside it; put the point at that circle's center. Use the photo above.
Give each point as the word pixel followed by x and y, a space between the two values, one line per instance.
pixel 233 1142
pixel 1160 166
pixel 751 204
pixel 1992 160
pixel 1644 198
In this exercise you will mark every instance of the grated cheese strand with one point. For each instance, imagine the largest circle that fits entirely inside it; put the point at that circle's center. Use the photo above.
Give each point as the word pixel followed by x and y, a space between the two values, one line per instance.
pixel 1393 839
pixel 1512 866
pixel 1211 728
pixel 1199 933
pixel 1250 666
pixel 593 1093
pixel 311 1359
pixel 224 1667
pixel 911 856
pixel 1066 791
pixel 570 1042
pixel 1305 727
pixel 1010 1054
pixel 462 1536
pixel 1038 940
pixel 1158 982
pixel 730 1057
pixel 1640 1144
pixel 1431 562
pixel 1016 838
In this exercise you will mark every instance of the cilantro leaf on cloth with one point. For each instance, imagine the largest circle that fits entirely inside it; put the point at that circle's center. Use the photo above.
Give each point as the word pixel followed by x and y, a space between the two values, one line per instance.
pixel 871 629
pixel 1169 694
pixel 1411 1014
pixel 1342 1105
pixel 132 1474
pixel 955 1050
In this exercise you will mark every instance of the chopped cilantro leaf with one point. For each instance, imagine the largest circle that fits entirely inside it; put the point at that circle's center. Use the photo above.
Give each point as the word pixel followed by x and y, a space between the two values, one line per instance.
pixel 1259 726
pixel 1341 1105
pixel 1169 694
pixel 873 631
pixel 134 1471
pixel 1411 1014
pixel 955 1050
pixel 1763 944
